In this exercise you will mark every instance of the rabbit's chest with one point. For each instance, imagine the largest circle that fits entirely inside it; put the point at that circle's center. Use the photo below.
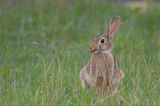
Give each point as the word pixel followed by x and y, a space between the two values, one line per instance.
pixel 101 64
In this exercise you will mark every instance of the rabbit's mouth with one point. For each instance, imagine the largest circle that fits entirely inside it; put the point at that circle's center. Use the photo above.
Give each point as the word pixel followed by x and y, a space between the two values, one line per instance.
pixel 93 51
pixel 98 51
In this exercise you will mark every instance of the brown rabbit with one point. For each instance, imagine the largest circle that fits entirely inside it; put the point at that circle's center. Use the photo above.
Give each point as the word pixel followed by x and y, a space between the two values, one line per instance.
pixel 101 73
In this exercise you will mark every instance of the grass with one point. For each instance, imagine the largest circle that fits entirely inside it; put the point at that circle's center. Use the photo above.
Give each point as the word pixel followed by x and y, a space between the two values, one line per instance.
pixel 44 46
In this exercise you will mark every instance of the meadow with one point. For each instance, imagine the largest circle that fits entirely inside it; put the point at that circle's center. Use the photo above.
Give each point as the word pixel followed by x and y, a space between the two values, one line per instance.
pixel 44 45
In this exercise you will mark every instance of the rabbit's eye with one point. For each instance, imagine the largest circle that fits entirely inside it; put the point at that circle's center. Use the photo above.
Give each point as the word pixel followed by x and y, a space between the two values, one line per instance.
pixel 102 41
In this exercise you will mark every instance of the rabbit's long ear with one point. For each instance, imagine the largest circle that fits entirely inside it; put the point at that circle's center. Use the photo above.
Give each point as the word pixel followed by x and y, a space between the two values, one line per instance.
pixel 109 32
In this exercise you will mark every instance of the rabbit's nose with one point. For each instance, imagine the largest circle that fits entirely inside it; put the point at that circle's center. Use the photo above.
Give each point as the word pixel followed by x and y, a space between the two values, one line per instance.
pixel 91 49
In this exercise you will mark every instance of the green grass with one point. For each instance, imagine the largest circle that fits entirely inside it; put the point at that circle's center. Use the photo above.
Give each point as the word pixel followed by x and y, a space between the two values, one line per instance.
pixel 43 48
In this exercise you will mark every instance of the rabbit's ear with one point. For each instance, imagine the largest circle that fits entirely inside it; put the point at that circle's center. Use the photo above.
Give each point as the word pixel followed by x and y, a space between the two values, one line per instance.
pixel 112 27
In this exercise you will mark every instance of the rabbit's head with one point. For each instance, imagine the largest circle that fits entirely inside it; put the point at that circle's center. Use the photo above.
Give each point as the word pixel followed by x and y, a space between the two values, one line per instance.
pixel 103 43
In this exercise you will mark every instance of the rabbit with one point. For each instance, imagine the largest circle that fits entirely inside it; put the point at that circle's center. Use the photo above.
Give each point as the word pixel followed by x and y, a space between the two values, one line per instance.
pixel 101 73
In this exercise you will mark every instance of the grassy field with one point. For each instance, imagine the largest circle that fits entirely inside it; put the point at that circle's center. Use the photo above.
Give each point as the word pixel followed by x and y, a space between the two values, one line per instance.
pixel 44 45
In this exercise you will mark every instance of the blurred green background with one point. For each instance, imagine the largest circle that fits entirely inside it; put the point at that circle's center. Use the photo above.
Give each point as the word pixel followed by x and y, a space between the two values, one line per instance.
pixel 44 44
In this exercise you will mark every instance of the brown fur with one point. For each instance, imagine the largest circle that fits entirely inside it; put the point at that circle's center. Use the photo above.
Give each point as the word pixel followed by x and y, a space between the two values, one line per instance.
pixel 101 73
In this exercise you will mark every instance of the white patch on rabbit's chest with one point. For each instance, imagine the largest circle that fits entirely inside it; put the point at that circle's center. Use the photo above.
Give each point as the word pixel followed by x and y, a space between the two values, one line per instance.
pixel 107 52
